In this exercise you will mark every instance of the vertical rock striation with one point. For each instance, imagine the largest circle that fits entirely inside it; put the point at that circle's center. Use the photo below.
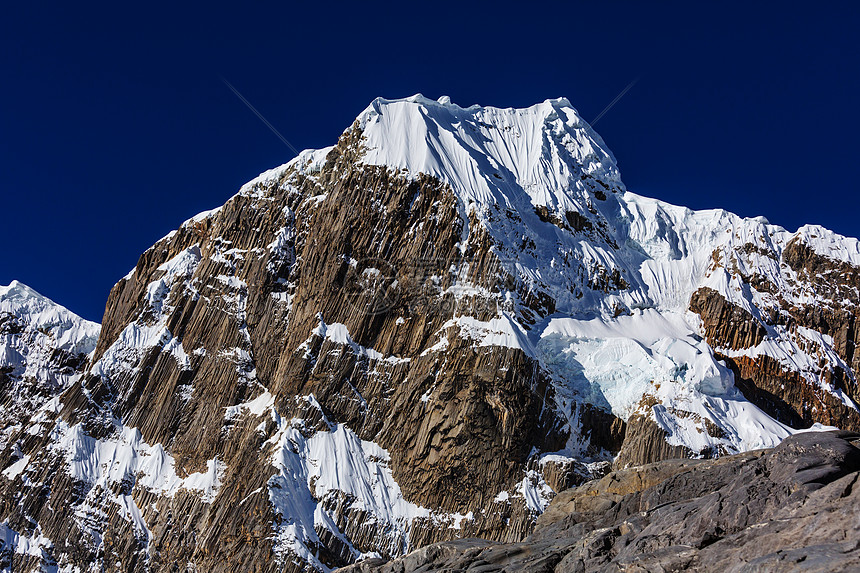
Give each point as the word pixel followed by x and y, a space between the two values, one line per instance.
pixel 420 334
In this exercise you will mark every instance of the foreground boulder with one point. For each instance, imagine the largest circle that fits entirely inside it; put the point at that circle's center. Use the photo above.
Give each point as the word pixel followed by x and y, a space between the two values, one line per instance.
pixel 795 507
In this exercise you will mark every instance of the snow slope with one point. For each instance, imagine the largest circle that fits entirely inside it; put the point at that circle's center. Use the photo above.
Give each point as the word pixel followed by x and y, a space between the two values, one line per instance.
pixel 62 329
pixel 547 156
pixel 545 186
pixel 41 343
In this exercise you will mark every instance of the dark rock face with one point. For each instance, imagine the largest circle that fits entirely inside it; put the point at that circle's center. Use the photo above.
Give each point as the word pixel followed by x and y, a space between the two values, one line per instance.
pixel 645 442
pixel 787 397
pixel 836 313
pixel 784 393
pixel 792 508
pixel 732 326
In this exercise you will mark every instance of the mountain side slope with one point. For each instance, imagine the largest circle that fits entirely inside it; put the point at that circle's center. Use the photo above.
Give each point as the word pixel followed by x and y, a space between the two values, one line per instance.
pixel 44 350
pixel 424 333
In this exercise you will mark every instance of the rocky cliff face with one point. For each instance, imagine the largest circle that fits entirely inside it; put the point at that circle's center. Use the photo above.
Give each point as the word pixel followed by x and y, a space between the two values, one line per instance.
pixel 43 351
pixel 811 309
pixel 422 333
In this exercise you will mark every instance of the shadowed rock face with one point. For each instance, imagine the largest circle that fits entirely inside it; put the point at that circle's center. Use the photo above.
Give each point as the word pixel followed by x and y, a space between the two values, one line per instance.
pixel 792 508
pixel 783 393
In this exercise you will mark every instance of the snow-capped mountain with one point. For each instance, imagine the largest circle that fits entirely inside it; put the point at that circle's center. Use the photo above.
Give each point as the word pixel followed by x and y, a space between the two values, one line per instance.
pixel 621 270
pixel 422 333
pixel 43 350
pixel 43 347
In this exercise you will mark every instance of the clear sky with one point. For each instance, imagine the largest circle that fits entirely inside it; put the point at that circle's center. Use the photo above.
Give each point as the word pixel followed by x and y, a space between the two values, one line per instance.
pixel 115 125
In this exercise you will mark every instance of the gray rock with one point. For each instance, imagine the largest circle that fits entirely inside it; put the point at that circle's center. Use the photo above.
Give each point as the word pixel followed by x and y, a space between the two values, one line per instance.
pixel 792 508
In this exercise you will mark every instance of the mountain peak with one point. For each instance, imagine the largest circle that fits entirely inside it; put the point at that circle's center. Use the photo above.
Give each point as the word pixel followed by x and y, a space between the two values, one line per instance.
pixel 544 155
pixel 71 332
pixel 17 289
pixel 445 101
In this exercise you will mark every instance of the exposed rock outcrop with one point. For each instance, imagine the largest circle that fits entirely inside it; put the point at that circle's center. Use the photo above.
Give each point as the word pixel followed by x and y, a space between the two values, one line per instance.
pixel 645 442
pixel 784 387
pixel 792 508
pixel 786 396
pixel 723 322
pixel 422 333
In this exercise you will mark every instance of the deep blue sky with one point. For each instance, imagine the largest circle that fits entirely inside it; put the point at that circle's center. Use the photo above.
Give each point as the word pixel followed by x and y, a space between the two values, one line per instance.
pixel 115 126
